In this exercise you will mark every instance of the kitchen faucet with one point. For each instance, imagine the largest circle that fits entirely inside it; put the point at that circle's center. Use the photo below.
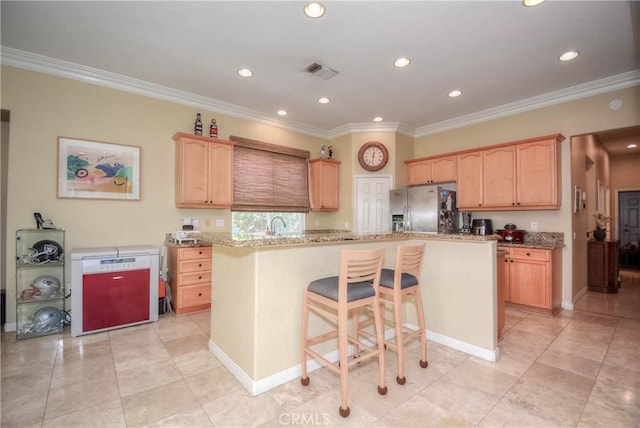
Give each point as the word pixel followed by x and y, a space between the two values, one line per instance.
pixel 273 230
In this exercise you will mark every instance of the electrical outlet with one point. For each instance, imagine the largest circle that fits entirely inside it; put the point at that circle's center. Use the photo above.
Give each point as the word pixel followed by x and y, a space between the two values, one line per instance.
pixel 534 225
pixel 317 222
pixel 219 222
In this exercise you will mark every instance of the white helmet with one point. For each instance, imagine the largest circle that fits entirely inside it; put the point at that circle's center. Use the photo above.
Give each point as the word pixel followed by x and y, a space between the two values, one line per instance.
pixel 48 285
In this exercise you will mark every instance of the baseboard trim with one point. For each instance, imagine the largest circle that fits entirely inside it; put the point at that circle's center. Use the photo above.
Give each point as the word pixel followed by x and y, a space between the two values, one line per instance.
pixel 256 387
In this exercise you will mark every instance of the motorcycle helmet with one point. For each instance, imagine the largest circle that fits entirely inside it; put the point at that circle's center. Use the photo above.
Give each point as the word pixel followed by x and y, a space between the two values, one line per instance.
pixel 47 319
pixel 45 251
pixel 48 285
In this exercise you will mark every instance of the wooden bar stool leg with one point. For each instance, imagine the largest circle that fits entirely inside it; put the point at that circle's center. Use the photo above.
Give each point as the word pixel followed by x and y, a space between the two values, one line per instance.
pixel 356 332
pixel 377 315
pixel 304 379
pixel 397 314
pixel 423 333
pixel 344 363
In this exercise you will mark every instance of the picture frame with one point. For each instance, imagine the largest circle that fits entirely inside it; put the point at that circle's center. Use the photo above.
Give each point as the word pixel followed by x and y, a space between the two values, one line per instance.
pixel 97 170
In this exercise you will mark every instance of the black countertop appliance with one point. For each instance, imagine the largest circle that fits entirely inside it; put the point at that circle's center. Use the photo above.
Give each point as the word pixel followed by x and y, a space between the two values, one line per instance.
pixel 482 226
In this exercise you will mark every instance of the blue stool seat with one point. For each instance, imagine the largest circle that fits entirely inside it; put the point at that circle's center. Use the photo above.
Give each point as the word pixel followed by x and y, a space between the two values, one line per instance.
pixel 328 287
pixel 406 280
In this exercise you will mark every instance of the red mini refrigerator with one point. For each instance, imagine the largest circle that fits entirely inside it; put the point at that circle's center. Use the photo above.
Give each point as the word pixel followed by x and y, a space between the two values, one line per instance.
pixel 113 287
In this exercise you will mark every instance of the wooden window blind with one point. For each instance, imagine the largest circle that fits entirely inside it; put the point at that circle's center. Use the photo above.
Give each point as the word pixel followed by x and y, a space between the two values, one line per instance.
pixel 269 178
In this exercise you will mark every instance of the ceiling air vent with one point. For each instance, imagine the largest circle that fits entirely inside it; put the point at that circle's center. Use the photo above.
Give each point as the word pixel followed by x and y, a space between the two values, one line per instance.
pixel 321 71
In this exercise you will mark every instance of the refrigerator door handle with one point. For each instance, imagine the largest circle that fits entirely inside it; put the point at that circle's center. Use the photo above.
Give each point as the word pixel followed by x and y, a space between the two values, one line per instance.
pixel 408 225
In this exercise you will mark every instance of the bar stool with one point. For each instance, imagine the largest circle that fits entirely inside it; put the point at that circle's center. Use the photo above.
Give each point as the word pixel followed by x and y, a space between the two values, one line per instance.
pixel 335 298
pixel 402 281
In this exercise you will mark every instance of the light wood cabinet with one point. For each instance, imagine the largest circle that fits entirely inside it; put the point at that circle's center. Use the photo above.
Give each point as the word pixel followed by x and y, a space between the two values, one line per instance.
pixel 324 183
pixel 434 170
pixel 517 176
pixel 499 177
pixel 503 273
pixel 469 181
pixel 534 278
pixel 190 278
pixel 537 169
pixel 204 172
pixel 602 266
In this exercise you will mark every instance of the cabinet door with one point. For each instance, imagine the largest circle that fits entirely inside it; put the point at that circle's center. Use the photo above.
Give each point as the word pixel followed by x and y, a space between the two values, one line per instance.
pixel 418 172
pixel 220 175
pixel 443 169
pixel 192 172
pixel 469 186
pixel 529 283
pixel 499 177
pixel 537 174
pixel 324 185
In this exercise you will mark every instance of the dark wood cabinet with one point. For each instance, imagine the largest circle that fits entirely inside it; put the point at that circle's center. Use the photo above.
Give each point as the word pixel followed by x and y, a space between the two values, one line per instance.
pixel 602 266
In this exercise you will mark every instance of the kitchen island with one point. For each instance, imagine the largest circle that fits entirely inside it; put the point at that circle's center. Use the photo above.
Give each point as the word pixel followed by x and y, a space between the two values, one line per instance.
pixel 258 282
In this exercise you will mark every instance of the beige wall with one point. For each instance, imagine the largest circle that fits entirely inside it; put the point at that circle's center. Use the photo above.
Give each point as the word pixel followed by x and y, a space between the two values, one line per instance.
pixel 44 107
pixel 573 118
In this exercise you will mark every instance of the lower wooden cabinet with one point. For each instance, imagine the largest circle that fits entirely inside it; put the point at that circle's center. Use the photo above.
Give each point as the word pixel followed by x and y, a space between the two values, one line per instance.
pixel 602 266
pixel 190 278
pixel 534 278
pixel 502 290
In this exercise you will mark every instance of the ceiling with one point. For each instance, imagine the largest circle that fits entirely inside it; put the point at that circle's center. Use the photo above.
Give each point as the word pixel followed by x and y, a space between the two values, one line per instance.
pixel 501 55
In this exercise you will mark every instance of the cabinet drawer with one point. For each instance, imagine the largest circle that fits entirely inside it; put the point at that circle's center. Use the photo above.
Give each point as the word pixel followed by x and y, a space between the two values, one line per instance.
pixel 194 265
pixel 195 253
pixel 530 254
pixel 194 295
pixel 194 278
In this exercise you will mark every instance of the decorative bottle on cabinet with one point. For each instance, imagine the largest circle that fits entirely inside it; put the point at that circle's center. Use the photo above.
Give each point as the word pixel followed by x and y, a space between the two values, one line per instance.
pixel 40 283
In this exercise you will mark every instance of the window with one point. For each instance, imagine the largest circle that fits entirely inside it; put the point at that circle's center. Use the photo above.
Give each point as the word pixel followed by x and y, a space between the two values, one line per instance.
pixel 255 224
pixel 269 178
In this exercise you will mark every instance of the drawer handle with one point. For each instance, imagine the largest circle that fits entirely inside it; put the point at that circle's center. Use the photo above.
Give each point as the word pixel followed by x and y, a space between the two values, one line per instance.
pixel 528 254
pixel 199 294
pixel 200 277
pixel 200 265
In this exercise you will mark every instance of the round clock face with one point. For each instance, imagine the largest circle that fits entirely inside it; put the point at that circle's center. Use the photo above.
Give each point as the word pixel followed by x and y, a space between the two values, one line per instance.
pixel 373 156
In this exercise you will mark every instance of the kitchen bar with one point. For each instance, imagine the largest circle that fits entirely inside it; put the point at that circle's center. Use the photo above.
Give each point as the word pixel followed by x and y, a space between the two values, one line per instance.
pixel 257 287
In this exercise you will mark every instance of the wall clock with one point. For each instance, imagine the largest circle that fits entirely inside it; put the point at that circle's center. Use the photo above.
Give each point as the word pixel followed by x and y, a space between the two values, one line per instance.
pixel 373 156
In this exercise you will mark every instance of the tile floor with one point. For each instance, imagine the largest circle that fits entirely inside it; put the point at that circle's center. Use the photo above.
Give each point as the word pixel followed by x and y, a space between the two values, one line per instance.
pixel 580 368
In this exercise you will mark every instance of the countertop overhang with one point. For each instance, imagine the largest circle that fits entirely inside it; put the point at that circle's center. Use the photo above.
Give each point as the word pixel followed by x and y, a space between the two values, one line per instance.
pixel 311 237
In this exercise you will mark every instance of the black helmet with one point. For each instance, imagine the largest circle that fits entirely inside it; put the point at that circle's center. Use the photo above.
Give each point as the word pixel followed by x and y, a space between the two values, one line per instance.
pixel 44 251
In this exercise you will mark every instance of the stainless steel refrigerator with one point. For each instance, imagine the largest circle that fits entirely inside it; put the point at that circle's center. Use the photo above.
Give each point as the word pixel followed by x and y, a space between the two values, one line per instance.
pixel 427 208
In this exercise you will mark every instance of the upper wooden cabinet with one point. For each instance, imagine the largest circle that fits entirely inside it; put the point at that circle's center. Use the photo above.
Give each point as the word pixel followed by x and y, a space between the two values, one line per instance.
pixel 538 168
pixel 516 176
pixel 324 183
pixel 433 170
pixel 204 172
pixel 469 189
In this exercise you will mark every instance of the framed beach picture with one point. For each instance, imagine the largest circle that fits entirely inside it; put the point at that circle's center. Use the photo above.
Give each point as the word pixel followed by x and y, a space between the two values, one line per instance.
pixel 96 170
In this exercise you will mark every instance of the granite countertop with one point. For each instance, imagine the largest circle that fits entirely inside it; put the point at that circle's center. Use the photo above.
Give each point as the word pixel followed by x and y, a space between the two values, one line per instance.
pixel 539 240
pixel 310 237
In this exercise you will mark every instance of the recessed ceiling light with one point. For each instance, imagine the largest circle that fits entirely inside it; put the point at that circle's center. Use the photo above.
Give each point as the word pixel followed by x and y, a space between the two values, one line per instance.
pixel 245 72
pixel 402 62
pixel 455 93
pixel 632 146
pixel 568 56
pixel 324 100
pixel 282 112
pixel 531 3
pixel 314 9
pixel 377 119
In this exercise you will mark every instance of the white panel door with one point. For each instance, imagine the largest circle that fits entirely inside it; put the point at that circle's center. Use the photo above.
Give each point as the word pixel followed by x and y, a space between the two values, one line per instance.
pixel 372 204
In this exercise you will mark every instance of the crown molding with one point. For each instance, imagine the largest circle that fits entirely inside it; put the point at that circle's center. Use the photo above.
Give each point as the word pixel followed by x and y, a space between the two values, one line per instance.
pixel 39 63
pixel 596 87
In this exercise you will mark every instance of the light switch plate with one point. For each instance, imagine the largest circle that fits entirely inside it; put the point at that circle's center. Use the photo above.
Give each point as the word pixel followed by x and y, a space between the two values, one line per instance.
pixel 219 222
